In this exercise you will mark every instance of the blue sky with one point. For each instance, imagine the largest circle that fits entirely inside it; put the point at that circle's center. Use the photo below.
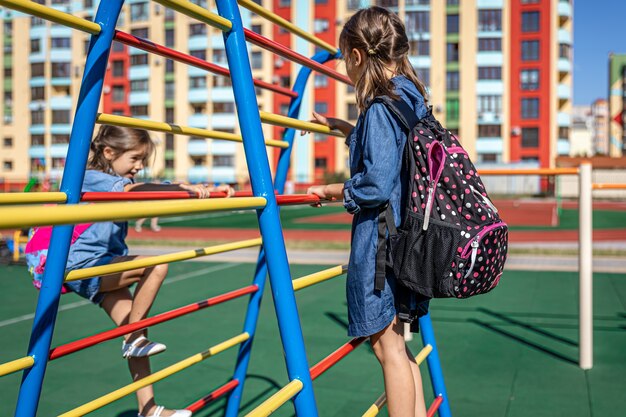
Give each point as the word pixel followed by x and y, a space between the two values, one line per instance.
pixel 599 28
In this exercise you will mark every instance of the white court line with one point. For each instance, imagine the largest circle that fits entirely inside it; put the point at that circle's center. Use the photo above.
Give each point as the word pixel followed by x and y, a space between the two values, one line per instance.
pixel 85 302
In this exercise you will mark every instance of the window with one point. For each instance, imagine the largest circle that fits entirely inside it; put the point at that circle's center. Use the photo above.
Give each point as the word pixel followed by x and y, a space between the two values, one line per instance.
pixel 321 163
pixel 197 29
pixel 87 4
pixel 321 107
pixel 490 20
pixel 223 160
pixel 197 82
pixel 219 81
pixel 138 85
pixel 257 29
pixel 530 21
pixel 117 46
pixel 420 47
pixel 224 107
pixel 170 90
pixel 37 93
pixel 35 45
pixel 170 37
pixel 489 73
pixel 563 132
pixel 320 25
pixel 452 2
pixel 219 56
pixel 488 157
pixel 61 69
pixel 36 140
pixel 136 60
pixel 530 50
pixel 118 68
pixel 489 131
pixel 36 21
pixel 199 53
pixel 530 108
pixel 530 137
pixel 169 117
pixel 170 14
pixel 169 164
pixel 321 81
pixel 169 142
pixel 564 51
pixel 424 75
pixel 60 139
pixel 532 1
pixel 529 80
pixel 7 142
pixel 452 23
pixel 452 81
pixel 7 165
pixel 169 66
pixel 60 43
pixel 452 109
pixel 58 163
pixel 8 72
pixel 417 22
pixel 452 52
pixel 36 117
pixel 285 81
pixel 256 60
pixel 139 110
pixel 284 109
pixel 489 103
pixel 198 161
pixel 140 33
pixel 139 11
pixel 60 116
pixel 353 112
pixel 490 44
pixel 37 70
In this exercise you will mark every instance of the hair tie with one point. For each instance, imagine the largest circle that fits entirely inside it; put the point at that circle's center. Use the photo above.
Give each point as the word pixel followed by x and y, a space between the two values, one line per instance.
pixel 371 52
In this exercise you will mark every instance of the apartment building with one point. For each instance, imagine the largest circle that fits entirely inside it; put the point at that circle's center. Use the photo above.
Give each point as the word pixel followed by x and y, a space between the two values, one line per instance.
pixel 617 104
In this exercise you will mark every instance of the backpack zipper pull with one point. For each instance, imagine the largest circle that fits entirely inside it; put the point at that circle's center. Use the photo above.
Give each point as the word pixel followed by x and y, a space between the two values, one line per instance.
pixel 474 253
pixel 429 205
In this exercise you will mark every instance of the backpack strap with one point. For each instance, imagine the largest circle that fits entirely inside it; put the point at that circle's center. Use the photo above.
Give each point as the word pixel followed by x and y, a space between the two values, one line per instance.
pixel 385 220
pixel 405 114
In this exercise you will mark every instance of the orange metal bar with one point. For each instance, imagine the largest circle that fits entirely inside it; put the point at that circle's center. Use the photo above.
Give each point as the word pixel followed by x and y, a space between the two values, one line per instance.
pixel 539 171
pixel 608 186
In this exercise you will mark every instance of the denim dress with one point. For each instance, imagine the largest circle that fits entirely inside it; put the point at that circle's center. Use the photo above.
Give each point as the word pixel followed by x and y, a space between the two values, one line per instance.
pixel 376 145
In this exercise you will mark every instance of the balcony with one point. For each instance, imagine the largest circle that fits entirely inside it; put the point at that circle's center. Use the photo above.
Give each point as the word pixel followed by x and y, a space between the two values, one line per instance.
pixel 198 95
pixel 223 174
pixel 139 72
pixel 198 174
pixel 489 145
pixel 562 147
pixel 564 65
pixel 489 118
pixel 223 121
pixel 563 119
pixel 61 103
pixel 139 98
pixel 58 150
pixel 564 36
pixel 198 120
pixel 222 95
pixel 564 91
pixel 37 152
pixel 486 59
pixel 488 87
pixel 197 147
pixel 489 4
pixel 223 147
pixel 564 10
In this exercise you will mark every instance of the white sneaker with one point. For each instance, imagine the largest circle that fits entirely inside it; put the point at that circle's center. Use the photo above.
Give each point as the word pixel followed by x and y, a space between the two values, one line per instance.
pixel 132 350
pixel 177 413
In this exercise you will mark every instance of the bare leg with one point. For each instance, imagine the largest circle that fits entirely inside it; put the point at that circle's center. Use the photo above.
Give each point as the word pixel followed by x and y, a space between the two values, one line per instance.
pixel 420 404
pixel 154 224
pixel 139 223
pixel 390 350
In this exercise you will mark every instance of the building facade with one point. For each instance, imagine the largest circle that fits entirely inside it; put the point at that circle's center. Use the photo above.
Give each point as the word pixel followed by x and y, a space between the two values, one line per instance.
pixel 600 126
pixel 617 104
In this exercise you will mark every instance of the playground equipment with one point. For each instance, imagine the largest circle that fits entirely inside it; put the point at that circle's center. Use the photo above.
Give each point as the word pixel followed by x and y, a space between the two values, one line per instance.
pixel 272 258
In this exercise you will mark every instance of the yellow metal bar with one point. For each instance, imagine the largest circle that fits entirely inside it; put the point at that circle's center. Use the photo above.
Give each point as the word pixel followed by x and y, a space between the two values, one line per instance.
pixel 27 216
pixel 155 377
pixel 539 171
pixel 382 400
pixel 284 23
pixel 115 120
pixel 97 271
pixel 16 365
pixel 199 13
pixel 284 121
pixel 274 402
pixel 326 274
pixel 29 198
pixel 48 13
pixel 608 186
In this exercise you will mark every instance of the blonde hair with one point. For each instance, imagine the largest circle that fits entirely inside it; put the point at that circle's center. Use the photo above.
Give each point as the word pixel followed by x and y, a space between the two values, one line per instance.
pixel 120 140
pixel 379 34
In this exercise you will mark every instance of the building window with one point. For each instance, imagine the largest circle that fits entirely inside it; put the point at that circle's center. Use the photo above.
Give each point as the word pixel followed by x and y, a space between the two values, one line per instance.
pixel 169 66
pixel 143 33
pixel 36 21
pixel 488 157
pixel 423 74
pixel 321 163
pixel 170 37
pixel 7 142
pixel 530 137
pixel 138 85
pixel 221 81
pixel 197 82
pixel 452 23
pixel 490 20
pixel 452 81
pixel 37 70
pixel 60 116
pixel 563 132
pixel 170 90
pixel 61 69
pixel 530 108
pixel 257 29
pixel 139 11
pixel 60 139
pixel 489 104
pixel 530 21
pixel 452 109
pixel 118 68
pixel 37 93
pixel 8 72
pixel 169 117
pixel 139 110
pixel 420 47
pixel 224 107
pixel 198 161
pixel 116 47
pixel 285 81
pixel 529 80
pixel 197 29
pixel 36 117
pixel 7 165
pixel 137 60
pixel 321 107
pixel 35 45
pixel 224 160
pixel 530 50
pixel 452 52
pixel 564 51
pixel 353 111
pixel 169 142
pixel 321 81
pixel 489 131
pixel 60 43
pixel 320 25
pixel 417 22
pixel 256 60
pixel 219 56
pixel 490 44
pixel 489 73
pixel 36 140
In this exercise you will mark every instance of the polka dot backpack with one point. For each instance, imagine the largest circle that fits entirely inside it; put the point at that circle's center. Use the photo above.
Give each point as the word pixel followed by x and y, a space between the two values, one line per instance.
pixel 452 242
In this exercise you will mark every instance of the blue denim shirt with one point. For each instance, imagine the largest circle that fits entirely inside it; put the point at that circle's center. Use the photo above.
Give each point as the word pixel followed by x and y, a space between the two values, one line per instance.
pixel 376 145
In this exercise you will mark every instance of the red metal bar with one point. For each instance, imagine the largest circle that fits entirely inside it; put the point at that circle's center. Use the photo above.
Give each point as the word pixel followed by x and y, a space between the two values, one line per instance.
pixel 330 360
pixel 218 393
pixel 434 406
pixel 285 52
pixel 166 52
pixel 86 342
pixel 283 200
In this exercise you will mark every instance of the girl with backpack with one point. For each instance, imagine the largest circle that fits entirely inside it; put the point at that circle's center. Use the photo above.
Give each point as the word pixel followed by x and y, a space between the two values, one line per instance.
pixel 375 48
pixel 117 155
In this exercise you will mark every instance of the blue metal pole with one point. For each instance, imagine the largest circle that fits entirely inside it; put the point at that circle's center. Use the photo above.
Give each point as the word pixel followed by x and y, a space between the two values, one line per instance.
pixel 252 313
pixel 82 131
pixel 434 365
pixel 269 221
